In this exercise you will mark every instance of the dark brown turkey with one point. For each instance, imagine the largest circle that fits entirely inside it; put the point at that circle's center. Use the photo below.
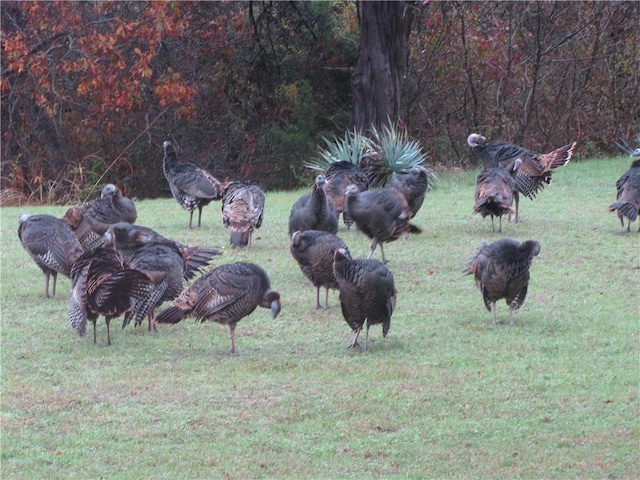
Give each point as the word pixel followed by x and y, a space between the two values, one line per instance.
pixel 382 215
pixel 367 293
pixel 339 176
pixel 103 285
pixel 628 198
pixel 192 187
pixel 313 211
pixel 242 211
pixel 535 169
pixel 51 244
pixel 501 270
pixel 314 250
pixel 166 262
pixel 412 185
pixel 225 295
pixel 495 192
pixel 90 220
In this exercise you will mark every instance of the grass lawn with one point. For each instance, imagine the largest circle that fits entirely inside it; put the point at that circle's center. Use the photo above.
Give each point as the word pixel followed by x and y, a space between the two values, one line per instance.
pixel 445 395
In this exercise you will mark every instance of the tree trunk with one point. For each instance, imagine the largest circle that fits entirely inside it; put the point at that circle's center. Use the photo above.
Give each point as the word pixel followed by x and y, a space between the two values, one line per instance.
pixel 376 82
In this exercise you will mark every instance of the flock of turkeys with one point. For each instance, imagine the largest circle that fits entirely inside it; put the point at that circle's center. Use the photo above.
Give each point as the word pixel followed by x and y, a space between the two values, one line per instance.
pixel 121 269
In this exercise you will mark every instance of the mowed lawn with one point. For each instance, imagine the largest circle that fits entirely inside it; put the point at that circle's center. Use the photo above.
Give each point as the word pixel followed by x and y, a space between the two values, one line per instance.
pixel 445 395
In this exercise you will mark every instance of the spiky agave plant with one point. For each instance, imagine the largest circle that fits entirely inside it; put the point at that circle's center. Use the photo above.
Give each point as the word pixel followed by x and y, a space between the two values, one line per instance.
pixel 352 148
pixel 395 153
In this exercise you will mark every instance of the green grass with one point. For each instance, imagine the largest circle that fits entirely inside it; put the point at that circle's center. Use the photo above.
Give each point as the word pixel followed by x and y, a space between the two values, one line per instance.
pixel 445 395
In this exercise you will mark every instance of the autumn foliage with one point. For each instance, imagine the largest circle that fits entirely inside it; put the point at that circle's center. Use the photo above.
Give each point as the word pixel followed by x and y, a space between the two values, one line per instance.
pixel 90 90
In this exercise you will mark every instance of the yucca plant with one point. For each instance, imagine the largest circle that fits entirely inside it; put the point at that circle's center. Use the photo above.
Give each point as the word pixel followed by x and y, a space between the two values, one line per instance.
pixel 395 153
pixel 352 148
pixel 628 149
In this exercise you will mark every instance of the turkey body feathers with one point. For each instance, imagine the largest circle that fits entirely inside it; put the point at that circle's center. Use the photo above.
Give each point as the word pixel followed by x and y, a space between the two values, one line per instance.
pixel 338 177
pixel 242 211
pixel 495 192
pixel 628 196
pixel 51 244
pixel 501 270
pixel 382 215
pixel 313 250
pixel 313 211
pixel 191 186
pixel 89 221
pixel 367 293
pixel 225 295
pixel 413 186
pixel 165 262
pixel 103 285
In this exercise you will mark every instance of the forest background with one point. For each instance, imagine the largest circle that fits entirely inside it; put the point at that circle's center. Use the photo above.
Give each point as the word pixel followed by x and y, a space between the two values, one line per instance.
pixel 90 90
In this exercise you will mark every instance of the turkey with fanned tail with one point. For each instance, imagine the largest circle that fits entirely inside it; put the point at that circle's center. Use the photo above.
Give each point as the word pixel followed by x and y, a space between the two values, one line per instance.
pixel 535 169
pixel 166 262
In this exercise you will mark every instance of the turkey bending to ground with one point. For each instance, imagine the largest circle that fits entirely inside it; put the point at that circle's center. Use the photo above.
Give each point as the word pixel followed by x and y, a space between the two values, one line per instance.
pixel 314 250
pixel 628 198
pixel 367 293
pixel 314 211
pixel 413 186
pixel 90 220
pixel 225 295
pixel 495 192
pixel 382 215
pixel 339 176
pixel 166 262
pixel 103 285
pixel 51 244
pixel 242 211
pixel 501 270
pixel 535 169
pixel 191 186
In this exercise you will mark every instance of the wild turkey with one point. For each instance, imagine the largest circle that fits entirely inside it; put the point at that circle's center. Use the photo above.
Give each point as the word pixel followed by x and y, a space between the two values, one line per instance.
pixel 242 211
pixel 382 215
pixel 313 211
pixel 103 285
pixel 51 244
pixel 191 186
pixel 90 220
pixel 367 293
pixel 313 250
pixel 535 169
pixel 165 261
pixel 225 295
pixel 413 186
pixel 628 198
pixel 338 177
pixel 495 192
pixel 501 270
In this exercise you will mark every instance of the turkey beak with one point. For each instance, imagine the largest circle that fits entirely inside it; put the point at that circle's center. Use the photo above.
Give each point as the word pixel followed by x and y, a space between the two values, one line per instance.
pixel 275 308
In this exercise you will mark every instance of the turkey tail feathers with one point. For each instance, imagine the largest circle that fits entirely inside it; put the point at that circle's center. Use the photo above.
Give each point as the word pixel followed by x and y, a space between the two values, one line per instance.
pixel 171 315
pixel 625 209
pixel 559 157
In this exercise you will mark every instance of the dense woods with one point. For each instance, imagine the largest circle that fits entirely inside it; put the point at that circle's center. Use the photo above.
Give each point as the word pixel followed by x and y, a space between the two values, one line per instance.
pixel 90 90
